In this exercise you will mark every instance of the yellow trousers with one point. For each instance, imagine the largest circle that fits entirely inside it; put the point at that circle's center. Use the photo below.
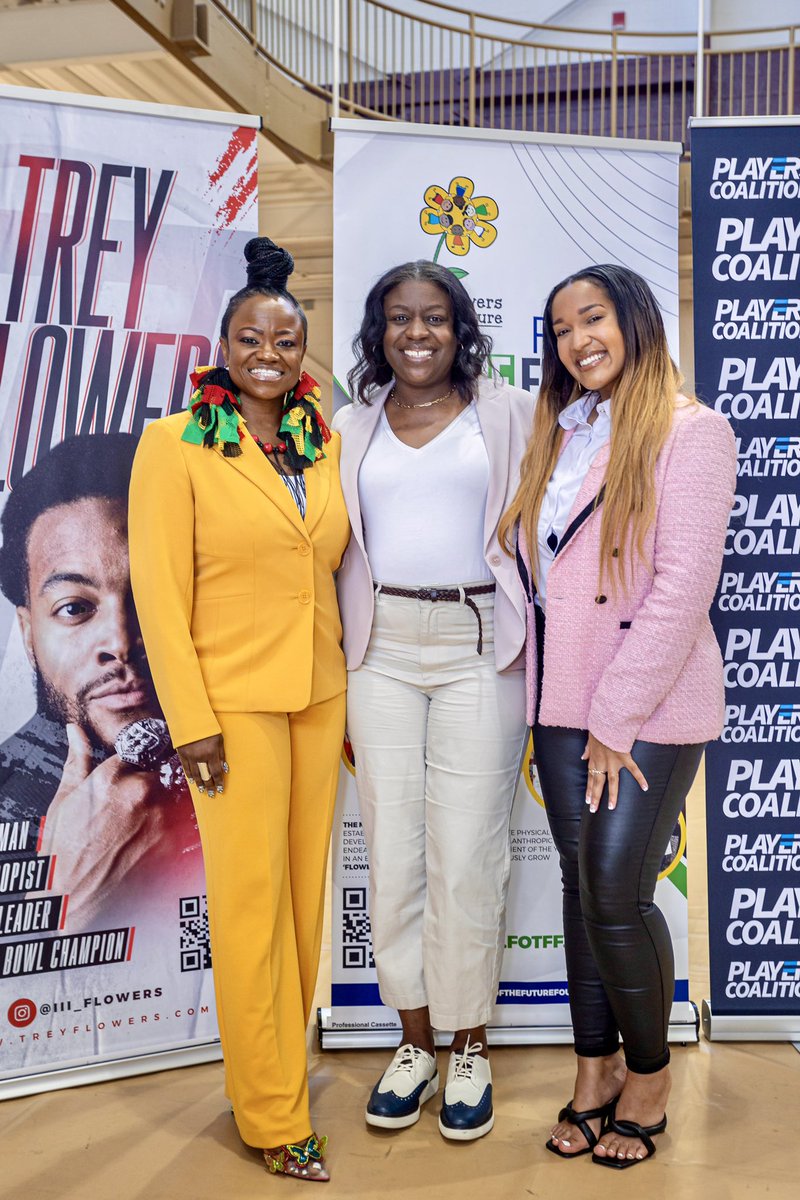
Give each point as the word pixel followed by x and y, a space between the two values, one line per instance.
pixel 265 846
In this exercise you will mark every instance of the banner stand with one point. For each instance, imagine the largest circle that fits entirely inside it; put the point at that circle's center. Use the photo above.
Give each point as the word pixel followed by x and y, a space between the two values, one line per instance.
pixel 746 229
pixel 103 1072
pixel 508 213
pixel 749 1028
pixel 124 226
pixel 680 1032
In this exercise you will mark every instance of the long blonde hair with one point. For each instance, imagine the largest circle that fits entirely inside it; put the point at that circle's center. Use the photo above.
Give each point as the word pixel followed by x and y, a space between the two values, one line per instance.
pixel 642 410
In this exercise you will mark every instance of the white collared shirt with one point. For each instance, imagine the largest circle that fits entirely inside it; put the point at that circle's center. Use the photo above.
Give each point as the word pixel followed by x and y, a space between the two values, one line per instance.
pixel 568 475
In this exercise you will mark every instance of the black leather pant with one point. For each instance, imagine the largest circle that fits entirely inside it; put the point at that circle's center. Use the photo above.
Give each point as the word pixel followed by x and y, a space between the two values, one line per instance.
pixel 620 966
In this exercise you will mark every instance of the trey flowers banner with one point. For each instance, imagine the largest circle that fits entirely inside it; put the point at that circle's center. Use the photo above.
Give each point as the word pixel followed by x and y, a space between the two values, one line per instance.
pixel 120 232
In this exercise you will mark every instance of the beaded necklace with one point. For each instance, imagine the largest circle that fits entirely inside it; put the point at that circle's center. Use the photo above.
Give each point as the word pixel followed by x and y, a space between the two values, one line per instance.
pixel 295 484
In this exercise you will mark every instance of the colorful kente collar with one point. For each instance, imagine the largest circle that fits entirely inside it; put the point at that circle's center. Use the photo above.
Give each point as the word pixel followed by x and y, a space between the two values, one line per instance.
pixel 215 417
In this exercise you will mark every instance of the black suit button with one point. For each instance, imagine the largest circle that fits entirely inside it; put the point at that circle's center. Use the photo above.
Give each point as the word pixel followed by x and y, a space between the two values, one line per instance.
pixel 600 599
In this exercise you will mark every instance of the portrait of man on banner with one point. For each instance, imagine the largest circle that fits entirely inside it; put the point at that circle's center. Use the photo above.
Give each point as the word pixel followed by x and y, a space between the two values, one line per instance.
pixel 94 759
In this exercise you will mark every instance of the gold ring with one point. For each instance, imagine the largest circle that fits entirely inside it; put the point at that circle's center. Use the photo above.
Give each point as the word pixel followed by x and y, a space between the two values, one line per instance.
pixel 205 774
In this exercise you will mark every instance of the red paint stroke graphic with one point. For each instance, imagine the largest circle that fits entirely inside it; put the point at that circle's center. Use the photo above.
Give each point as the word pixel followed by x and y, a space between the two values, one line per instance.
pixel 244 187
pixel 241 192
pixel 241 139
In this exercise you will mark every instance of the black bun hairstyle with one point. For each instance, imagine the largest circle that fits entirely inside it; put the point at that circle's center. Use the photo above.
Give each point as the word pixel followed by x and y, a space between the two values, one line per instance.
pixel 268 265
pixel 268 270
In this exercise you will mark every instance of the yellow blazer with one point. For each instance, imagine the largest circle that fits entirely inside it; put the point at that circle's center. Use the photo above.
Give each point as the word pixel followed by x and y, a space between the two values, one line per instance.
pixel 233 589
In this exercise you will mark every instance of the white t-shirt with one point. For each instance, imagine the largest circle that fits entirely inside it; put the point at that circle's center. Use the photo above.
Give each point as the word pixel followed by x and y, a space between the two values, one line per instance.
pixel 423 510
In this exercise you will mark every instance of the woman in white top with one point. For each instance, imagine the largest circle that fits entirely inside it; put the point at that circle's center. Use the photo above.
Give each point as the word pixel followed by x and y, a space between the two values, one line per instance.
pixel 433 618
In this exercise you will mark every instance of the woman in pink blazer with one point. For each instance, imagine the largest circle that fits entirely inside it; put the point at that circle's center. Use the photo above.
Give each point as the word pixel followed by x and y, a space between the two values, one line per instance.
pixel 434 630
pixel 624 498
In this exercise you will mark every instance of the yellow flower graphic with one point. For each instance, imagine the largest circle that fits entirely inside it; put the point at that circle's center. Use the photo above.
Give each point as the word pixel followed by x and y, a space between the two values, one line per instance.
pixel 458 218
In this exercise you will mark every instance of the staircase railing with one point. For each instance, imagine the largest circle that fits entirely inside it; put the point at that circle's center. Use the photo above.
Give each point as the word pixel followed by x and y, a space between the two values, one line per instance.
pixel 456 66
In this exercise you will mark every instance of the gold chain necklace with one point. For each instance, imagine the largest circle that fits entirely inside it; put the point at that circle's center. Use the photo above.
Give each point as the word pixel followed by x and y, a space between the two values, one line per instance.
pixel 425 403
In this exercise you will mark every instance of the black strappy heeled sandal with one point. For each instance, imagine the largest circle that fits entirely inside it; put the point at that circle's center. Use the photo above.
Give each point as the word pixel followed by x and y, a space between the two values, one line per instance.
pixel 630 1129
pixel 581 1121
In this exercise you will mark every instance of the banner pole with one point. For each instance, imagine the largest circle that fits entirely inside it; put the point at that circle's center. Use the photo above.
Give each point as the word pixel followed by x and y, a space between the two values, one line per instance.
pixel 699 68
pixel 337 59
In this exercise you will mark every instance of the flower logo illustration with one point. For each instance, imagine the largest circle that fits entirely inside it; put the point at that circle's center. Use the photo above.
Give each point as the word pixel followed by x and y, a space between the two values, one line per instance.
pixel 458 218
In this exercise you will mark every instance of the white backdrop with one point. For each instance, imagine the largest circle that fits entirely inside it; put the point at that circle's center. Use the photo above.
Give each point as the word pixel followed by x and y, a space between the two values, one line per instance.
pixel 555 204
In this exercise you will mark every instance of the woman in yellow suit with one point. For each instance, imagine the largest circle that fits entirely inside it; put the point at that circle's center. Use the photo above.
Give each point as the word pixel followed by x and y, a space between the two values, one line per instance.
pixel 237 524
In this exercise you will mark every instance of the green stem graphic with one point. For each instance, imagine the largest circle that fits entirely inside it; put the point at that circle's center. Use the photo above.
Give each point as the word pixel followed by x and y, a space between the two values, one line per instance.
pixel 439 245
pixel 678 876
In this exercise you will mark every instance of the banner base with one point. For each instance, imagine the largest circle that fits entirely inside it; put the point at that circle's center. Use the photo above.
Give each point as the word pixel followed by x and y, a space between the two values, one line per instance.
pixel 496 1035
pixel 778 1027
pixel 116 1068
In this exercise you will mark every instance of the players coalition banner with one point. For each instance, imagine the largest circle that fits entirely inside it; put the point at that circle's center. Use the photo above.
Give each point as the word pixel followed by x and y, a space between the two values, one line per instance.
pixel 121 237
pixel 510 215
pixel 746 231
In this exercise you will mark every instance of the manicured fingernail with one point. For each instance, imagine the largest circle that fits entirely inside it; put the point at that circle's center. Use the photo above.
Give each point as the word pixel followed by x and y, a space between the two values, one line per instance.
pixel 201 789
pixel 225 768
pixel 219 791
pixel 645 788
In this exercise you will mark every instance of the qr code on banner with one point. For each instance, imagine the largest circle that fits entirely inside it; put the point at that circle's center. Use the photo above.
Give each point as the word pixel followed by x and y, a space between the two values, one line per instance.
pixel 356 933
pixel 195 942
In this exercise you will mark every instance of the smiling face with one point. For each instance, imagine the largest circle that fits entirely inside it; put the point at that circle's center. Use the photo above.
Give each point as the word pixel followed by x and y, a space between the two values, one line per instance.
pixel 588 336
pixel 79 625
pixel 419 342
pixel 264 348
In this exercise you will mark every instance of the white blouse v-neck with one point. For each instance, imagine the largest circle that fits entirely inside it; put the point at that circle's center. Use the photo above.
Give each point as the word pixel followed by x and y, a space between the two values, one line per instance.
pixel 423 509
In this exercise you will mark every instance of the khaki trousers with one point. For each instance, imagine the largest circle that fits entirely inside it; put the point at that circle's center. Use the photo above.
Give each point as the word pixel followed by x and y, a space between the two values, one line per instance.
pixel 265 846
pixel 438 738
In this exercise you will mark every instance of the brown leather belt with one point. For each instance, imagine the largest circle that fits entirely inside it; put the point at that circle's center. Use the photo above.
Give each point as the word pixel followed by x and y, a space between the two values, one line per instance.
pixel 455 595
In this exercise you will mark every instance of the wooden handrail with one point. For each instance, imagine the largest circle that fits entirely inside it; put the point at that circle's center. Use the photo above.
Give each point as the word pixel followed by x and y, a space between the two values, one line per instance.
pixel 431 68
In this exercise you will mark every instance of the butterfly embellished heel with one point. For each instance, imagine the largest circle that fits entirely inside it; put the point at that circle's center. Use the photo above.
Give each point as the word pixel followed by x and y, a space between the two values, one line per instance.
pixel 302 1160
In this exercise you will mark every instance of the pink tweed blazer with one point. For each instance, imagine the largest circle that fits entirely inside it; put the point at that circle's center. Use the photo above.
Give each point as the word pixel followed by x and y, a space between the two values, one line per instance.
pixel 505 414
pixel 643 664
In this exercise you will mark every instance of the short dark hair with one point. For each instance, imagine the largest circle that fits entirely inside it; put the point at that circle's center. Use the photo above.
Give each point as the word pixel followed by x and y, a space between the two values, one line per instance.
pixel 474 347
pixel 268 270
pixel 97 465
